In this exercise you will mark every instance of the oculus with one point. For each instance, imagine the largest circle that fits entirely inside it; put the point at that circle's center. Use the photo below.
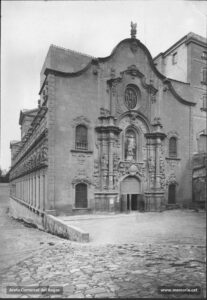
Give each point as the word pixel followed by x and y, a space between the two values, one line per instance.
pixel 130 97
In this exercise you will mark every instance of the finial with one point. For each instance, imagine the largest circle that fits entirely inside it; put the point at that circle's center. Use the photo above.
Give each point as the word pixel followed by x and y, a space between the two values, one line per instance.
pixel 133 30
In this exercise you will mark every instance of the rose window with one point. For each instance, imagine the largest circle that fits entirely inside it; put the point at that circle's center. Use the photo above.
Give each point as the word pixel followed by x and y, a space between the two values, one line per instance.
pixel 130 97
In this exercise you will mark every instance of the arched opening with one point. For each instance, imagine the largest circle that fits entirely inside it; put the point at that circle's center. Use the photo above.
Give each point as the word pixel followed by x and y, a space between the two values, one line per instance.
pixel 131 197
pixel 81 200
pixel 81 137
pixel 173 147
pixel 130 145
pixel 172 193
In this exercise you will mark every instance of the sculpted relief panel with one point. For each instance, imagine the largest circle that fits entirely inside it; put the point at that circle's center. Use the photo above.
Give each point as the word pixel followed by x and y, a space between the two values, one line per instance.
pixel 37 159
pixel 133 119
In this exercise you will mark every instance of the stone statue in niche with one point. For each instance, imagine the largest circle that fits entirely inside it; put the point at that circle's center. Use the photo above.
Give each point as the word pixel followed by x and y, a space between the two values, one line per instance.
pixel 130 146
pixel 105 174
pixel 104 161
pixel 199 189
pixel 133 30
pixel 151 164
pixel 115 161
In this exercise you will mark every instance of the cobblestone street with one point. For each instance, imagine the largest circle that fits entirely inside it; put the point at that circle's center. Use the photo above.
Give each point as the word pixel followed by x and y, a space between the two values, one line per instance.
pixel 30 257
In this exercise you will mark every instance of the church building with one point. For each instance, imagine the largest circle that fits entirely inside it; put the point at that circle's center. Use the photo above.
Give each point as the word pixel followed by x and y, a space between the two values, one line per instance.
pixel 116 133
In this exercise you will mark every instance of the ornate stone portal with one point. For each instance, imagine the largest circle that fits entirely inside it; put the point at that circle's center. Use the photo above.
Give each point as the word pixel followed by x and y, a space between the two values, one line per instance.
pixel 121 155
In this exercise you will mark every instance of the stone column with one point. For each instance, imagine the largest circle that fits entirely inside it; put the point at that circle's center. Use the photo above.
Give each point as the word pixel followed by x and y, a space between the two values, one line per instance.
pixel 111 136
pixel 101 160
pixel 20 189
pixel 34 190
pixel 157 169
pixel 51 144
pixel 41 191
pixel 30 189
pixel 26 191
pixel 23 189
pixel 39 187
pixel 37 191
pixel 45 183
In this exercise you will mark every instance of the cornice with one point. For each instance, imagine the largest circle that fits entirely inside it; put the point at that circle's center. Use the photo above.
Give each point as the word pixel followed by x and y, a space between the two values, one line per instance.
pixel 195 41
pixel 129 41
pixel 139 44
pixel 108 128
pixel 70 74
pixel 105 59
pixel 36 141
pixel 138 114
pixel 176 95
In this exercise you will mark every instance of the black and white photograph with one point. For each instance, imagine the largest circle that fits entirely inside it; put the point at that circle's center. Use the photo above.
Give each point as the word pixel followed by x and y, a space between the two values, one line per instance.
pixel 103 149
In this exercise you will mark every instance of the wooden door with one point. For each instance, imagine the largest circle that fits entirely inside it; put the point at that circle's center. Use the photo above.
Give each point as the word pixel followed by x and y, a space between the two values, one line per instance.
pixel 81 195
pixel 172 194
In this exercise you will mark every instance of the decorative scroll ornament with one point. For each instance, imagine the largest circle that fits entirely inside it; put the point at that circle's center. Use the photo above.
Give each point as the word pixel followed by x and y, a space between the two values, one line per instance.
pixel 77 180
pixel 131 168
pixel 171 179
pixel 37 159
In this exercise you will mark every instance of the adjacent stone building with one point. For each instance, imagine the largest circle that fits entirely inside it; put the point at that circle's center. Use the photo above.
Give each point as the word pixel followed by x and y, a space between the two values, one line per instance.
pixel 113 134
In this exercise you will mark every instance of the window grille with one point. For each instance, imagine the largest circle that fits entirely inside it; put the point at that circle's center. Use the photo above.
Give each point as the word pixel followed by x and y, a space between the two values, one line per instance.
pixel 81 195
pixel 173 147
pixel 81 141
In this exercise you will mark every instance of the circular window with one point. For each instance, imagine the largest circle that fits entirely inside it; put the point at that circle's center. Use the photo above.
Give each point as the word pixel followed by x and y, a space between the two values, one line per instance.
pixel 130 97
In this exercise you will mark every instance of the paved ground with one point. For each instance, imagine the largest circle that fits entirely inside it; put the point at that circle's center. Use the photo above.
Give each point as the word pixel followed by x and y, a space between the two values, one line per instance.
pixel 124 266
pixel 173 226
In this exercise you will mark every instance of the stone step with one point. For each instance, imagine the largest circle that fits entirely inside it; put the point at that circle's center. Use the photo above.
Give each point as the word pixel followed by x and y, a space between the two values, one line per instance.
pixel 173 206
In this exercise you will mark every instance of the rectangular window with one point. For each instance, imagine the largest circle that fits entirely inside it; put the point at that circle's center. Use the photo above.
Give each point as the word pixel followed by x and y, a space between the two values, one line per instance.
pixel 204 102
pixel 204 55
pixel 174 58
pixel 81 138
pixel 204 76
pixel 173 147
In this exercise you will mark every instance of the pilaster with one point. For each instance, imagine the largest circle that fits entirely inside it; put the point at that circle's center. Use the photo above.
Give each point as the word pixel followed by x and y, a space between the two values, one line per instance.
pixel 50 205
pixel 154 196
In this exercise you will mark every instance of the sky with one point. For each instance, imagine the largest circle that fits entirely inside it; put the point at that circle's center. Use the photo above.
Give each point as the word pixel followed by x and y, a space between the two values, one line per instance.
pixel 28 28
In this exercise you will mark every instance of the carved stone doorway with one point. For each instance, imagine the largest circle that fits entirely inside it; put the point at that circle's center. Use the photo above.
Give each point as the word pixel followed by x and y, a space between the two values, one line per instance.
pixel 134 202
pixel 131 198
pixel 172 194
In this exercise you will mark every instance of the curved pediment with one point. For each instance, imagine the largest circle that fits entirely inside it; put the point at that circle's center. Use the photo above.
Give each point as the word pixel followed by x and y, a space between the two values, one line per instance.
pixel 134 45
pixel 129 52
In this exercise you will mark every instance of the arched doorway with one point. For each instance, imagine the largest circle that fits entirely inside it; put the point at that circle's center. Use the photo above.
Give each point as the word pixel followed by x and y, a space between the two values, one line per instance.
pixel 131 197
pixel 172 194
pixel 81 195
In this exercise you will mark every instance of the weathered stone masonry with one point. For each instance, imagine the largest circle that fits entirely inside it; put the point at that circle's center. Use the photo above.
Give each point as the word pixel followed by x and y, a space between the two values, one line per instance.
pixel 109 134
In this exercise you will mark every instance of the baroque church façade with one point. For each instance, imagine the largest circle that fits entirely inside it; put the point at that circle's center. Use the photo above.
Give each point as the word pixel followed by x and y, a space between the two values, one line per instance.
pixel 114 134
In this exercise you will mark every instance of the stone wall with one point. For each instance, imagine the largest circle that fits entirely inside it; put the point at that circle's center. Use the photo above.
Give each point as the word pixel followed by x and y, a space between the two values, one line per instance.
pixel 20 210
pixel 58 227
